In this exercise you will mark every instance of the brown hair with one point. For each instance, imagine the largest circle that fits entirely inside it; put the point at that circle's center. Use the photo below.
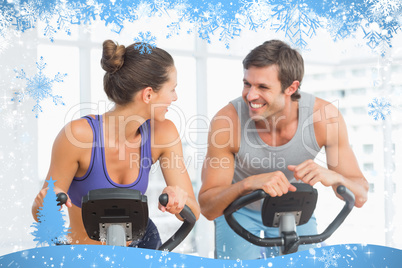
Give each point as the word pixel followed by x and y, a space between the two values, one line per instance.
pixel 128 70
pixel 289 62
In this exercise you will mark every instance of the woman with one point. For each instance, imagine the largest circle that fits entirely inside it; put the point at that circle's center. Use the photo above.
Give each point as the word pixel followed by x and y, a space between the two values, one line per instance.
pixel 117 149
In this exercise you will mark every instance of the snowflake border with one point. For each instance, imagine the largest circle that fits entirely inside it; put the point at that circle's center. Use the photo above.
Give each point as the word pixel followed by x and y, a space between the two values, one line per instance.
pixel 38 87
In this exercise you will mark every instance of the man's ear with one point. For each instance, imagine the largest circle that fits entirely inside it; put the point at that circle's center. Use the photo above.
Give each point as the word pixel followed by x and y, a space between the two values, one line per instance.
pixel 292 88
pixel 147 94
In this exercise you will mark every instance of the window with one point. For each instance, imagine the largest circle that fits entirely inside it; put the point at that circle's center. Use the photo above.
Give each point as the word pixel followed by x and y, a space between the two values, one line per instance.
pixel 320 76
pixel 63 59
pixel 368 148
pixel 224 75
pixel 359 110
pixel 368 166
pixel 359 72
pixel 343 111
pixel 357 91
pixel 338 74
pixel 371 187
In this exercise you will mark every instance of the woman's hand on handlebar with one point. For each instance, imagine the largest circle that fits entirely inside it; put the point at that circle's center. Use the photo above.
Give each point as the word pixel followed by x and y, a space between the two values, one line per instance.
pixel 177 199
pixel 41 195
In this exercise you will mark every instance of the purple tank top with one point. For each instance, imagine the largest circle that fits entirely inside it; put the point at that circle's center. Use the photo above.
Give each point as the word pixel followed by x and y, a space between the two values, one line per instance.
pixel 97 176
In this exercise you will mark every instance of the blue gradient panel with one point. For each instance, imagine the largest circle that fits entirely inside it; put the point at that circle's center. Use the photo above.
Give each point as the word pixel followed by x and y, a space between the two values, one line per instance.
pixel 353 255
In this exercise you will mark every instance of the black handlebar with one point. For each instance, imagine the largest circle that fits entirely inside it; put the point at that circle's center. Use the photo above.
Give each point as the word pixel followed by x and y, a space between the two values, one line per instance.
pixel 183 231
pixel 349 199
pixel 61 198
pixel 346 194
pixel 234 224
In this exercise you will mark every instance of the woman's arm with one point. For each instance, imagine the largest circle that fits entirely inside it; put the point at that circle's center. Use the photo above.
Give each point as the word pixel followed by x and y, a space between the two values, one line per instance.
pixel 68 148
pixel 168 148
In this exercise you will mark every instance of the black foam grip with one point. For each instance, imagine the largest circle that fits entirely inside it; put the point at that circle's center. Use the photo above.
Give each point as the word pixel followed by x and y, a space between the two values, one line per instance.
pixel 164 199
pixel 61 198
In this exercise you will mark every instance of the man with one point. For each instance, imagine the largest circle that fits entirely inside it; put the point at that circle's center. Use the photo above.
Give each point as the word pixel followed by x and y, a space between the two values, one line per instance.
pixel 267 139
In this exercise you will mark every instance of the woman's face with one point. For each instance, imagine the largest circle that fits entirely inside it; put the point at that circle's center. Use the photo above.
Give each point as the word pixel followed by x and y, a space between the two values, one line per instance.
pixel 165 96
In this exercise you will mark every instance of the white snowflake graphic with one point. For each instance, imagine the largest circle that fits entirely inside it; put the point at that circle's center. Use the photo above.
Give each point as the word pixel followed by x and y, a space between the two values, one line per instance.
pixel 181 15
pixel 208 21
pixel 384 7
pixel 256 13
pixel 343 21
pixel 143 10
pixel 4 43
pixel 54 16
pixel 165 252
pixel 64 18
pixel 329 258
pixel 114 15
pixel 6 19
pixel 39 87
pixel 230 30
pixel 379 108
pixel 27 18
pixel 298 22
pixel 378 39
pixel 146 42
pixel 158 7
pixel 10 119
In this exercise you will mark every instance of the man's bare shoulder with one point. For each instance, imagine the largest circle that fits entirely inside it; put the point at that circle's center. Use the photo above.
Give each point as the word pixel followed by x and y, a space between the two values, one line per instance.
pixel 329 124
pixel 325 111
pixel 224 130
pixel 227 114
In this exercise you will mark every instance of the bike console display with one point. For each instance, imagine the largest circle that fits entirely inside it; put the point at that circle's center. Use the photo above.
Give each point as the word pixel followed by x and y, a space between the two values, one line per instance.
pixel 104 207
pixel 300 203
pixel 117 215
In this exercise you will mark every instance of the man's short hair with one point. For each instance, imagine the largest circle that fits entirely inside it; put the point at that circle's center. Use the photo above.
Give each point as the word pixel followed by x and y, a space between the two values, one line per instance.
pixel 289 62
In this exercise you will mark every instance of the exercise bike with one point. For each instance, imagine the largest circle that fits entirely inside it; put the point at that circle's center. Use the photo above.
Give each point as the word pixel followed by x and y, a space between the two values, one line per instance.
pixel 118 215
pixel 286 212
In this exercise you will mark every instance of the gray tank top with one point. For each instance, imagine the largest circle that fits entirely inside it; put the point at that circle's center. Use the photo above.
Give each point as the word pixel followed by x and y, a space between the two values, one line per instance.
pixel 256 157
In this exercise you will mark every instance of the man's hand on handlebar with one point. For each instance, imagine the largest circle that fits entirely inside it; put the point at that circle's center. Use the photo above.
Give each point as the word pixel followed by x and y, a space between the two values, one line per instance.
pixel 310 172
pixel 274 183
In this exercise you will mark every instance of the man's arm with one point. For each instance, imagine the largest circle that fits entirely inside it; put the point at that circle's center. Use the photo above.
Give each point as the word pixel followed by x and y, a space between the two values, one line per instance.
pixel 217 191
pixel 343 169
